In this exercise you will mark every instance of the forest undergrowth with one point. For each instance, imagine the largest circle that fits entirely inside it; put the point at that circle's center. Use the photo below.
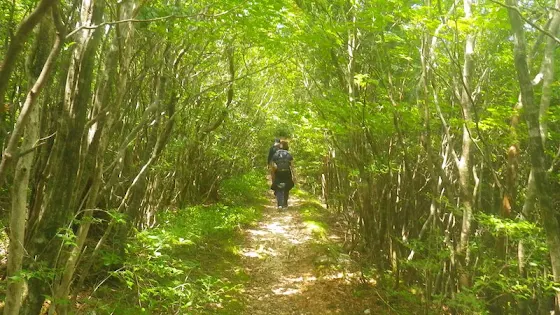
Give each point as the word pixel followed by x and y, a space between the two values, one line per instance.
pixel 188 264
pixel 244 257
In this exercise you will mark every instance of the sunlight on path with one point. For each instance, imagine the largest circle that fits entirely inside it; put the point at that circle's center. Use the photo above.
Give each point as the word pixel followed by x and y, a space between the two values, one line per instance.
pixel 280 258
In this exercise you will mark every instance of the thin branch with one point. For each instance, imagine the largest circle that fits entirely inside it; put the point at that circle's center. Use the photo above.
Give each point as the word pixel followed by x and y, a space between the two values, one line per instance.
pixel 7 63
pixel 10 153
pixel 516 9
pixel 554 161
pixel 163 18
pixel 37 144
pixel 476 120
pixel 248 74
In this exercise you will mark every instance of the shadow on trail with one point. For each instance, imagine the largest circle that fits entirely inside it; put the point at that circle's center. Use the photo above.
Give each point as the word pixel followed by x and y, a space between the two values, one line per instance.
pixel 296 266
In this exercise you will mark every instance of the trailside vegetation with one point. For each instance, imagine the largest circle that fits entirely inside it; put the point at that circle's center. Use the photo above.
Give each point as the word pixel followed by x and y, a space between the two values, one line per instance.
pixel 134 132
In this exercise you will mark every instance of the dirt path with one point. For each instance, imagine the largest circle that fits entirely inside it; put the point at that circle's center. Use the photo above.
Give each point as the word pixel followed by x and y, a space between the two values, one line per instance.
pixel 287 258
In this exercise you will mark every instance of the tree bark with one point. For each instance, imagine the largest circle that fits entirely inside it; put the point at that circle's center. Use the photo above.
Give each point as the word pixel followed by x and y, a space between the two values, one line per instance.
pixel 18 41
pixel 6 69
pixel 464 163
pixel 97 141
pixel 548 71
pixel 61 191
pixel 18 214
pixel 536 147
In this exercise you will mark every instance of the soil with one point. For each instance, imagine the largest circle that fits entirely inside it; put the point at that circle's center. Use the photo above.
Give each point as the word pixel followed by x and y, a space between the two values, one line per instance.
pixel 294 268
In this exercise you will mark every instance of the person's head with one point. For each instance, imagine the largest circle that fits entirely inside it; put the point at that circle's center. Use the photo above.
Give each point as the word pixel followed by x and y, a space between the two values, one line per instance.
pixel 284 144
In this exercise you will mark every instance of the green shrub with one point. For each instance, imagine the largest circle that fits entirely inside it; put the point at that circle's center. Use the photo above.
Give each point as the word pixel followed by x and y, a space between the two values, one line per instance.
pixel 180 266
pixel 248 188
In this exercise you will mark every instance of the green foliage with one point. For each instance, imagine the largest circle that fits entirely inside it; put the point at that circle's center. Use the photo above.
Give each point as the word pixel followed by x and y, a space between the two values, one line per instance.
pixel 67 236
pixel 466 301
pixel 309 146
pixel 284 130
pixel 210 221
pixel 244 189
pixel 497 279
pixel 517 229
pixel 4 242
pixel 39 271
pixel 182 265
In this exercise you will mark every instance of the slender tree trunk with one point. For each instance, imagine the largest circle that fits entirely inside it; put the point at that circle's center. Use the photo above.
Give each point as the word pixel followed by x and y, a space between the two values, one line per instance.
pixel 536 148
pixel 61 191
pixel 464 163
pixel 351 46
pixel 18 217
pixel 547 70
pixel 97 143
pixel 18 214
pixel 18 41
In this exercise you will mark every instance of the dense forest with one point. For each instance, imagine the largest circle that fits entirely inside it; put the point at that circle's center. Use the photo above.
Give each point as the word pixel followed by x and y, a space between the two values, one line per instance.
pixel 429 129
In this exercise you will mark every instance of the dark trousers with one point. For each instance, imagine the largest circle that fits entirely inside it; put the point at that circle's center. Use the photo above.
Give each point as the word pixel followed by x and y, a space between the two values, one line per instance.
pixel 282 196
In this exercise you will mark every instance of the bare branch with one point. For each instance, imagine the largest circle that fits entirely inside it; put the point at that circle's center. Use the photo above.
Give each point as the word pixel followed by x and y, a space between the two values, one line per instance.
pixel 37 144
pixel 554 161
pixel 163 18
pixel 11 149
pixel 516 9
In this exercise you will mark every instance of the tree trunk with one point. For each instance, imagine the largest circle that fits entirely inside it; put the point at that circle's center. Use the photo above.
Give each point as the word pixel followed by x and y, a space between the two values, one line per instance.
pixel 18 41
pixel 536 148
pixel 97 142
pixel 547 70
pixel 18 215
pixel 61 193
pixel 464 163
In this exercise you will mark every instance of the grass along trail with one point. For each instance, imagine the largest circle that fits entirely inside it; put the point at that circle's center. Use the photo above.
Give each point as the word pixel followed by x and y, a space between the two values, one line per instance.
pixel 295 266
pixel 243 259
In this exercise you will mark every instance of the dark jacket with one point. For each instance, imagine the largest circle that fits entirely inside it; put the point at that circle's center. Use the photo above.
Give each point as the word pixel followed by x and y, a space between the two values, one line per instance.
pixel 271 152
pixel 282 177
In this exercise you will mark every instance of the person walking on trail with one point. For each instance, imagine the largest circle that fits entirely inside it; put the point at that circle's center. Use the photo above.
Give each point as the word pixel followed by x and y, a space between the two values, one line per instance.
pixel 282 179
pixel 273 150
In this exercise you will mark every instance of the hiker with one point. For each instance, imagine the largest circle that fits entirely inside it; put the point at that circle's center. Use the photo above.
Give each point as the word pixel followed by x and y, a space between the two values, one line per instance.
pixel 282 180
pixel 272 150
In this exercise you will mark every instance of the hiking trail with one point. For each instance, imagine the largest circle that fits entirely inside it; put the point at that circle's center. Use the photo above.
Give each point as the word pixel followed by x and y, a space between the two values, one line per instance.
pixel 295 266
